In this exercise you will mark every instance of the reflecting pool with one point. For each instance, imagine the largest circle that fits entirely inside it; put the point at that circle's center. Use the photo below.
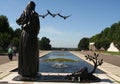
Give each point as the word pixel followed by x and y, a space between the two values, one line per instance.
pixel 70 63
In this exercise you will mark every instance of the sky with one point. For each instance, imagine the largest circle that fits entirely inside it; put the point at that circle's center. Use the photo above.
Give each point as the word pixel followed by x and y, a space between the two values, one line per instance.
pixel 88 17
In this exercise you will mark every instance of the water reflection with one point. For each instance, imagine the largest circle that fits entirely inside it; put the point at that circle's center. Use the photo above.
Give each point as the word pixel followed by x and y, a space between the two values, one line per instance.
pixel 63 67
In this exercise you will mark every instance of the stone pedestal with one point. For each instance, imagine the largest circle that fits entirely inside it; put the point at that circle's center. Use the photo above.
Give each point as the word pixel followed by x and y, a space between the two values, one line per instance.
pixel 21 78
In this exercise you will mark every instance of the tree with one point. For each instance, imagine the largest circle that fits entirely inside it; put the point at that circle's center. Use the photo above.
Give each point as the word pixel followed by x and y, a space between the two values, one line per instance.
pixel 16 37
pixel 104 43
pixel 108 35
pixel 4 40
pixel 17 32
pixel 15 41
pixel 10 31
pixel 98 44
pixel 6 32
pixel 95 38
pixel 44 44
pixel 83 44
pixel 4 24
pixel 117 44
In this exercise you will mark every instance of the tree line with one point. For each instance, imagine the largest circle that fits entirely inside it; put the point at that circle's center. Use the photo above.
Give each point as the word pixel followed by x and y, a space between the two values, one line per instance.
pixel 44 43
pixel 104 38
pixel 8 36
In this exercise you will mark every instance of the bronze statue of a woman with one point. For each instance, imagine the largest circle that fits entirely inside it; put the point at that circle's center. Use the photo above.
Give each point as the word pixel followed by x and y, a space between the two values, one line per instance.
pixel 28 49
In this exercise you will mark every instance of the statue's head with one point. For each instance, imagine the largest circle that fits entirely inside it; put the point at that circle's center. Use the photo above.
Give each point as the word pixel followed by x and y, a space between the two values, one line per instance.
pixel 30 6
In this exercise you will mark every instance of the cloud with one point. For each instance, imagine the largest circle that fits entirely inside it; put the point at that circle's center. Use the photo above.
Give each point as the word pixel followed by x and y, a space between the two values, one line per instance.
pixel 51 30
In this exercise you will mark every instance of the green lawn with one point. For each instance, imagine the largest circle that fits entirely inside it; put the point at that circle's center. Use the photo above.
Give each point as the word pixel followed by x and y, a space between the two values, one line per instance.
pixel 3 51
pixel 111 53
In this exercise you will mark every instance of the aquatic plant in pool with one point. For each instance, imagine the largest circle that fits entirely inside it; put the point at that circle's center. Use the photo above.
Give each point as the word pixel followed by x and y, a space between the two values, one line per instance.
pixel 62 62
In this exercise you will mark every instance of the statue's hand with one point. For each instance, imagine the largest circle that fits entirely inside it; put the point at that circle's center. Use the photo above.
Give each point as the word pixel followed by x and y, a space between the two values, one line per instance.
pixel 18 21
pixel 24 25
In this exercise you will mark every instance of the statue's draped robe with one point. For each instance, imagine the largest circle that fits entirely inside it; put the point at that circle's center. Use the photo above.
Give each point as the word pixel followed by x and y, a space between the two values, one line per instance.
pixel 28 62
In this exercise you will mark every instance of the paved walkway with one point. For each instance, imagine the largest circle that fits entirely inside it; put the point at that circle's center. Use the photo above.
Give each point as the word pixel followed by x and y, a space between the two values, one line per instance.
pixel 4 58
pixel 112 72
pixel 115 60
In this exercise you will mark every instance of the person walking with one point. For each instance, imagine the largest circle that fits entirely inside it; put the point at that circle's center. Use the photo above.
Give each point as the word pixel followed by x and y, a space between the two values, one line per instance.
pixel 10 53
pixel 14 50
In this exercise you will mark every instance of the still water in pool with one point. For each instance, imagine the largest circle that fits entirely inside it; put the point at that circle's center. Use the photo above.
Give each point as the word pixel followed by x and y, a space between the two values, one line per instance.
pixel 69 63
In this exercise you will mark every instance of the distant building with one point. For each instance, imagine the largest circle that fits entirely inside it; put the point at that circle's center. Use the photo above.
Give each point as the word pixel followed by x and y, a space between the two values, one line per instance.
pixel 113 48
pixel 92 46
pixel 102 49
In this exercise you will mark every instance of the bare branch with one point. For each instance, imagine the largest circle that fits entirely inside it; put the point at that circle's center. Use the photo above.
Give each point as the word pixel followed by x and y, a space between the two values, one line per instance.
pixel 53 15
